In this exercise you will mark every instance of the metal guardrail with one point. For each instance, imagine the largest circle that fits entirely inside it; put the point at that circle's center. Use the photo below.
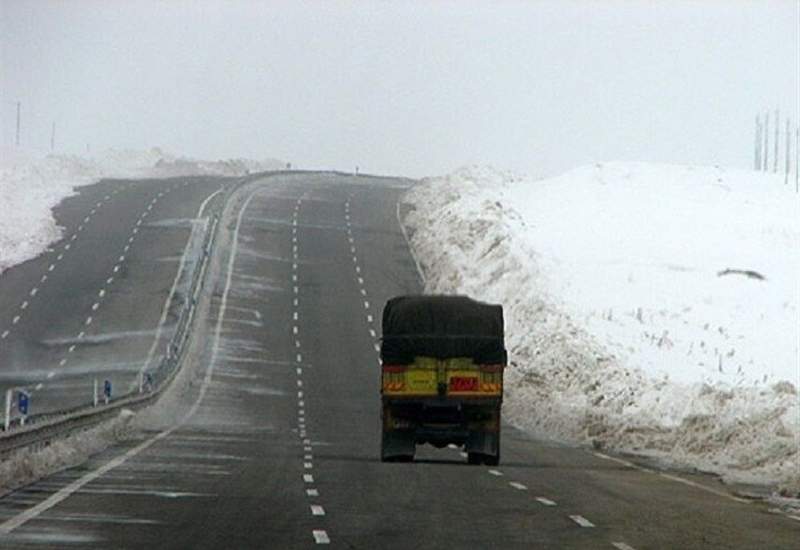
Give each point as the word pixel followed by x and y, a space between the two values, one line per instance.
pixel 40 429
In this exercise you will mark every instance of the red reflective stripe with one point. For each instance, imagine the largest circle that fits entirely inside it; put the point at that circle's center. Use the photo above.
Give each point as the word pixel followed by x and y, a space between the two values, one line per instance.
pixel 491 368
pixel 394 368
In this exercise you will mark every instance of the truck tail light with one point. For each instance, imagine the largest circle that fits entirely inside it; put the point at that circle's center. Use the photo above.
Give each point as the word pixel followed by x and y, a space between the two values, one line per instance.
pixel 491 378
pixel 394 378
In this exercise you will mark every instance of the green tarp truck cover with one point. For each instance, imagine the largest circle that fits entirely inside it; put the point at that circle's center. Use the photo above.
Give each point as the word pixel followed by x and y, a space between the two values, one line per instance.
pixel 442 327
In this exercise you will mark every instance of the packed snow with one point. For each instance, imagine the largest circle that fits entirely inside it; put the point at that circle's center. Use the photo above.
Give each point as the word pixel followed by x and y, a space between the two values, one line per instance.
pixel 32 184
pixel 649 308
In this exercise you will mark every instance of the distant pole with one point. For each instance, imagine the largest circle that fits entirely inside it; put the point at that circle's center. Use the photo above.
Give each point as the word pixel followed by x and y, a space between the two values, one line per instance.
pixel 788 150
pixel 766 141
pixel 53 137
pixel 757 152
pixel 19 107
pixel 777 136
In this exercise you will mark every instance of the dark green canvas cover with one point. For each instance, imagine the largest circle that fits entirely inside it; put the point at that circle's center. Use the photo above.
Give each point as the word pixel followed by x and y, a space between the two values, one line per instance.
pixel 442 327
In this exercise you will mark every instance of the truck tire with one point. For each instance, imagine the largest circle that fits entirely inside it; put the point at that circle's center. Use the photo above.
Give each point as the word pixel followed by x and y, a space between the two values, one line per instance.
pixel 390 452
pixel 476 459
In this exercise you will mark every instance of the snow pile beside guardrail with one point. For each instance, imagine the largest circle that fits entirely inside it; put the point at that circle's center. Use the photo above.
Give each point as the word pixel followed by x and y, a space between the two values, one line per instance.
pixel 31 185
pixel 650 309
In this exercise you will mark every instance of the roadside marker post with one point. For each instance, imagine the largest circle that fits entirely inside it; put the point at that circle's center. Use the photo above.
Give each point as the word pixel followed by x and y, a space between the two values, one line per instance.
pixel 23 400
pixel 107 390
pixel 9 398
pixel 94 393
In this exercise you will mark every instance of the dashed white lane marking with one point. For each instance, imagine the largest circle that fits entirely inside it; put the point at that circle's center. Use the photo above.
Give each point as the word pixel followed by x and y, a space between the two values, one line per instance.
pixel 299 383
pixel 81 334
pixel 50 375
pixel 4 335
pixel 545 501
pixel 62 362
pixel 307 457
pixel 294 329
pixel 60 257
pixel 377 347
pixel 44 278
pixel 582 521
pixel 71 348
pixel 74 237
pixel 358 269
pixel 622 546
pixel 496 472
pixel 296 289
pixel 308 478
pixel 67 246
pixel 38 386
pixel 366 304
pixel 121 259
pixel 312 492
pixel 89 320
pixel 299 370
pixel 296 301
pixel 299 396
pixel 15 320
pixel 24 305
pixel 299 358
pixel 294 316
pixel 372 333
pixel 321 536
pixel 518 486
pixel 52 267
pixel 308 465
pixel 301 403
pixel 33 291
pixel 317 510
pixel 116 268
pixel 363 291
pixel 101 293
pixel 95 306
pixel 369 318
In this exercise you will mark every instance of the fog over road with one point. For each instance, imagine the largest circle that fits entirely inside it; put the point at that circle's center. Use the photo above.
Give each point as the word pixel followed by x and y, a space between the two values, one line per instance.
pixel 281 445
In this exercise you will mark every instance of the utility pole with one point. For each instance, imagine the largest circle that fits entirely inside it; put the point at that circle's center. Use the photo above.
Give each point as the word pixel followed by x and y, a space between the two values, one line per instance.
pixel 53 137
pixel 777 136
pixel 788 150
pixel 19 106
pixel 757 159
pixel 766 141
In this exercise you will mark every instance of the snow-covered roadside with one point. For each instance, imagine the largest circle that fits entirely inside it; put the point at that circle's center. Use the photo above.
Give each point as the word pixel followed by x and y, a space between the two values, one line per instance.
pixel 624 329
pixel 31 185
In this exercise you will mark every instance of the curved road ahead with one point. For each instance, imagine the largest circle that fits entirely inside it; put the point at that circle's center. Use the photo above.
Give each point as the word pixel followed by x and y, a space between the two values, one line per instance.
pixel 280 448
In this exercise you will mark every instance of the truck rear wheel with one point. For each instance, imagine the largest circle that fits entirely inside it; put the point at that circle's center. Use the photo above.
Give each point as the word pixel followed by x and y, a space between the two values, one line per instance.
pixel 396 448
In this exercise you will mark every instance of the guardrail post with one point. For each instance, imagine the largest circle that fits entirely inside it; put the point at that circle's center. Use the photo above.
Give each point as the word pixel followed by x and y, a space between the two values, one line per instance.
pixel 9 397
pixel 94 393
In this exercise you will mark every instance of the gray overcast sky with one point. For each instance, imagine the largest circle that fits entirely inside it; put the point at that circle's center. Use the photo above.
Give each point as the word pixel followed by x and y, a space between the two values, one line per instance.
pixel 412 88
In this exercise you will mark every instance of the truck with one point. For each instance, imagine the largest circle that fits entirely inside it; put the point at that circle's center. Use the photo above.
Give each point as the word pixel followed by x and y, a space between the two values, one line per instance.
pixel 442 363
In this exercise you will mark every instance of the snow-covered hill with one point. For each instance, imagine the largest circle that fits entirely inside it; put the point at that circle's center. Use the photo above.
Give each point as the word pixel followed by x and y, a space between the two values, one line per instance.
pixel 31 185
pixel 649 308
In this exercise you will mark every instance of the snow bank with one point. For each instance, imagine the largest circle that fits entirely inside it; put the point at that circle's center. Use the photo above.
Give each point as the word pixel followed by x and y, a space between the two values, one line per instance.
pixel 650 309
pixel 25 466
pixel 31 185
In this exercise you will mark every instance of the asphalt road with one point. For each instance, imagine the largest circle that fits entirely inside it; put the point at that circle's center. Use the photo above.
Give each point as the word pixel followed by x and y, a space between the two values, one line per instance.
pixel 89 308
pixel 280 445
